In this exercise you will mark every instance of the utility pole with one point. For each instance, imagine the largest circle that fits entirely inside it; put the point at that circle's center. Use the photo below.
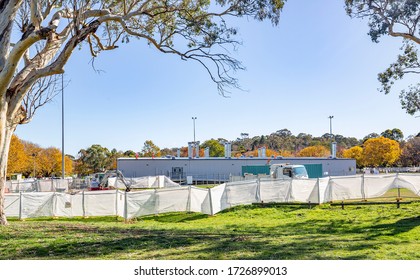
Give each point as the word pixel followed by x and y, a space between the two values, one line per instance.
pixel 194 118
pixel 62 128
pixel 331 117
pixel 333 144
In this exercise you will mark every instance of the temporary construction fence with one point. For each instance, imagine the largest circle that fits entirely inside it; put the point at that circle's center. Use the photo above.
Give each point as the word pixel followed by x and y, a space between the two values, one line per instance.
pixel 148 182
pixel 67 184
pixel 39 185
pixel 208 201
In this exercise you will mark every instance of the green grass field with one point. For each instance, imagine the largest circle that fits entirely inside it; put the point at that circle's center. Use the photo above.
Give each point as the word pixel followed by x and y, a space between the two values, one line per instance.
pixel 247 232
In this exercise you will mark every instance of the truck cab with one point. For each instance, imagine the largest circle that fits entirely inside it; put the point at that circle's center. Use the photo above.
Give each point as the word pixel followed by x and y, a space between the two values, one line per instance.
pixel 288 171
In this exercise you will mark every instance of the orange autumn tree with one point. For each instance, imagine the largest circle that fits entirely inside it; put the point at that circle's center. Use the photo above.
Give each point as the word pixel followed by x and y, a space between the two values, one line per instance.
pixel 381 151
pixel 32 160
pixel 356 153
pixel 18 159
pixel 51 164
pixel 268 153
pixel 314 151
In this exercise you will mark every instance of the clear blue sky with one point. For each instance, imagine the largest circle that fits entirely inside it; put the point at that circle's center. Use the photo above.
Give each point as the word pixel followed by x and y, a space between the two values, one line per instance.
pixel 318 62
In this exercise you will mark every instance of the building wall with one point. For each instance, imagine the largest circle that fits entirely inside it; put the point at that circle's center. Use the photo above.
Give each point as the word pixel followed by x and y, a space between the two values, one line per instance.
pixel 221 168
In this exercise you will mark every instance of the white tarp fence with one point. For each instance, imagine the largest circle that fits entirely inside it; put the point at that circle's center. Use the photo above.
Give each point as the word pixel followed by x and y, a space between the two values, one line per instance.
pixel 38 185
pixel 208 201
pixel 148 182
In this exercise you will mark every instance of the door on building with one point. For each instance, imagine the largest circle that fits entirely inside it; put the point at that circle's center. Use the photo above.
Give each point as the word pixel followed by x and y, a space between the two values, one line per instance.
pixel 177 173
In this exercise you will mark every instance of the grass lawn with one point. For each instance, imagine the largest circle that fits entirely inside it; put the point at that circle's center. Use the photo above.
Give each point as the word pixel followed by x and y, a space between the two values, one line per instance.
pixel 245 232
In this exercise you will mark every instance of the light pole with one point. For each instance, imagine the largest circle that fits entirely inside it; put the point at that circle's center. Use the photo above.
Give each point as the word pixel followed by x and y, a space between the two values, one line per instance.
pixel 33 156
pixel 62 128
pixel 333 152
pixel 194 118
pixel 195 144
pixel 331 117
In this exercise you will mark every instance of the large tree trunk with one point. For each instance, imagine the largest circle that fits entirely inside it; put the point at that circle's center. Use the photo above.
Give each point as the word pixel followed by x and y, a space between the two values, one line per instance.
pixel 6 132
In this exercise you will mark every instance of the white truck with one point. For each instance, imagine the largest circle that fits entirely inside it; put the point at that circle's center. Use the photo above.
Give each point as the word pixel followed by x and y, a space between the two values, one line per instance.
pixel 288 171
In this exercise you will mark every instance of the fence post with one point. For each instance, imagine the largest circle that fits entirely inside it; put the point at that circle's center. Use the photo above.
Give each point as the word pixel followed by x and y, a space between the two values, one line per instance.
pixel 258 193
pixel 398 188
pixel 20 205
pixel 156 202
pixel 211 202
pixel 125 207
pixel 54 204
pixel 83 204
pixel 189 200
pixel 319 192
pixel 362 187
pixel 116 204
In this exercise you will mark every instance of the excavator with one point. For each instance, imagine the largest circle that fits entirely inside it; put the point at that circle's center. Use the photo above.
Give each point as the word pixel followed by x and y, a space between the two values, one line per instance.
pixel 103 180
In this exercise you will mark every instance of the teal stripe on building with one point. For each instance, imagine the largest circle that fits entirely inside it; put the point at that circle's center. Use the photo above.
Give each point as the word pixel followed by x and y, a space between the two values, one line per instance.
pixel 314 170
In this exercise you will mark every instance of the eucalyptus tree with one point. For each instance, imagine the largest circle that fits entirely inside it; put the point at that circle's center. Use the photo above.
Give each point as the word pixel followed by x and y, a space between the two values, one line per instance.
pixel 401 19
pixel 394 134
pixel 37 39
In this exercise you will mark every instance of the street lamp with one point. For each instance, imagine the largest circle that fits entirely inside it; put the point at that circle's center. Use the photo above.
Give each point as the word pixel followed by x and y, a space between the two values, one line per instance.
pixel 33 156
pixel 331 117
pixel 333 144
pixel 195 143
pixel 194 118
pixel 62 127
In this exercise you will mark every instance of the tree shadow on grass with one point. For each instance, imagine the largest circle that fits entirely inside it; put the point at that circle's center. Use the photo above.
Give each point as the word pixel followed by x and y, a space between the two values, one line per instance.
pixel 97 238
pixel 301 241
pixel 174 217
pixel 164 244
pixel 400 226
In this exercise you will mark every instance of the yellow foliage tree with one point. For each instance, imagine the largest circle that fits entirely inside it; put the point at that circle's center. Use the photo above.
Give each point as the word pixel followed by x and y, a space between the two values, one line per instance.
pixel 18 159
pixel 271 153
pixel 380 151
pixel 356 153
pixel 50 160
pixel 32 166
pixel 285 153
pixel 32 160
pixel 268 153
pixel 314 151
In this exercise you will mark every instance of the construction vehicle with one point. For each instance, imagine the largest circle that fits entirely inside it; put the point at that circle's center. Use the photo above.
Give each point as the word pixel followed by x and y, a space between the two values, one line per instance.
pixel 100 180
pixel 288 171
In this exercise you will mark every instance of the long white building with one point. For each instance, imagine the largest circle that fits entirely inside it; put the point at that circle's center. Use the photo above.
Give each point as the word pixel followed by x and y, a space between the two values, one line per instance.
pixel 220 169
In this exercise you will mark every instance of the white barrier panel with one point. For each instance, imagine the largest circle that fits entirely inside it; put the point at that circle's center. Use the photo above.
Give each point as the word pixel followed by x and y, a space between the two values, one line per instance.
pixel 154 182
pixel 60 185
pixel 215 199
pixel 37 205
pixel 323 186
pixel 409 181
pixel 45 186
pixel 11 204
pixel 62 205
pixel 275 190
pixel 305 191
pixel 77 201
pixel 26 185
pixel 175 200
pixel 199 201
pixel 342 188
pixel 375 186
pixel 240 193
pixel 100 203
pixel 140 204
